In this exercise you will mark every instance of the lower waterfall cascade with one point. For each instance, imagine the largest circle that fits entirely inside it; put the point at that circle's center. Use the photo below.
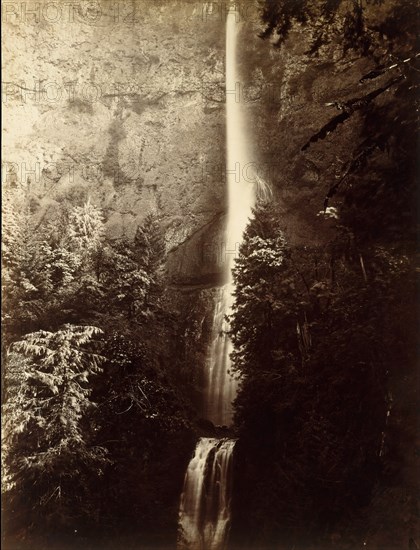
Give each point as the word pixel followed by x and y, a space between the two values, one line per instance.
pixel 204 513
pixel 205 501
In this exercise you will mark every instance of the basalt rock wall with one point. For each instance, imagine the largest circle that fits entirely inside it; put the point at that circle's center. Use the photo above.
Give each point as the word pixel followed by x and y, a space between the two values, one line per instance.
pixel 124 102
pixel 121 102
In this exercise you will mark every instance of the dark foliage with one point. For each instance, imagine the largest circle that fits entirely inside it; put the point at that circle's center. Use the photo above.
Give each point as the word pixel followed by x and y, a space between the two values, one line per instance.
pixel 366 27
pixel 325 338
pixel 348 108
pixel 142 419
pixel 319 345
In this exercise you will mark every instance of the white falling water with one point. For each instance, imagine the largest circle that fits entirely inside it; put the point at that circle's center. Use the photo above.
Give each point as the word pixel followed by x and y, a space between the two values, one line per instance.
pixel 221 385
pixel 205 501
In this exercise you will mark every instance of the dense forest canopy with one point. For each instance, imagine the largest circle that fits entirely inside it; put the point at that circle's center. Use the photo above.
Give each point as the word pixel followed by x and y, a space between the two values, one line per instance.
pixel 86 332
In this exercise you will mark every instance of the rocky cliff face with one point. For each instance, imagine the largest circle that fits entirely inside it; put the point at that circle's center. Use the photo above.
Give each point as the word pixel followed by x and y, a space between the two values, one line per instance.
pixel 124 102
pixel 121 101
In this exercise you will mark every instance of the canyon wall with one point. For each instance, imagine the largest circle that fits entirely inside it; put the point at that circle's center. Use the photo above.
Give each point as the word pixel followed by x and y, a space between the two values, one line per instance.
pixel 124 102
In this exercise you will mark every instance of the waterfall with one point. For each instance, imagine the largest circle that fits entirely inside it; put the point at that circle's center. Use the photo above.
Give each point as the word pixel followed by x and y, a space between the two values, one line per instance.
pixel 221 385
pixel 204 514
pixel 205 501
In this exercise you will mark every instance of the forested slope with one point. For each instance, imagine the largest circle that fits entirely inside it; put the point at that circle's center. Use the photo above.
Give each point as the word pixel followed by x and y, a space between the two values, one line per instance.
pixel 325 332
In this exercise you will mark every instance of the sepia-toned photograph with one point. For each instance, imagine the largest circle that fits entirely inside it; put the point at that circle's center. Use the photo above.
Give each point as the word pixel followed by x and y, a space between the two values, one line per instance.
pixel 210 309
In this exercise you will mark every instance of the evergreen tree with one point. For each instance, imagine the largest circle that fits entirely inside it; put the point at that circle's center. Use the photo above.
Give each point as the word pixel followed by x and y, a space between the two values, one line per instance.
pixel 256 273
pixel 26 273
pixel 85 232
pixel 150 253
pixel 133 274
pixel 149 244
pixel 49 457
pixel 309 328
pixel 126 283
pixel 77 257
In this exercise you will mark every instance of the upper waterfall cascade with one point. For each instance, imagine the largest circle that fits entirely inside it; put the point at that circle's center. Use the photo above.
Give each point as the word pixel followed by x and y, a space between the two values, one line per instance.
pixel 205 501
pixel 221 385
